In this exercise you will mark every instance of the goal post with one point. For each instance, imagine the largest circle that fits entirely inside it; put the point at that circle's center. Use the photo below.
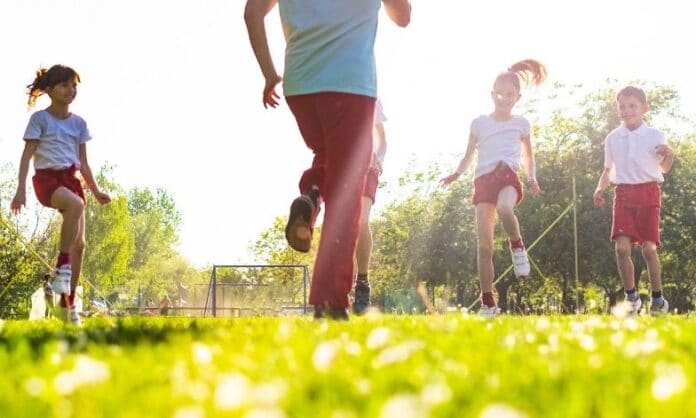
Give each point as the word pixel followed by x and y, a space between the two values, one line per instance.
pixel 257 289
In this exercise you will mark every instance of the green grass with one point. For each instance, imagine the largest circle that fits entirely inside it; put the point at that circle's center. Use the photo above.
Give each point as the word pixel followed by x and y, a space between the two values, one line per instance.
pixel 382 366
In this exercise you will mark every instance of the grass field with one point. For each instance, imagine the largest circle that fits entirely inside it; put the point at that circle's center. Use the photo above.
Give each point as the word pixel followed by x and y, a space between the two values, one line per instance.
pixel 380 366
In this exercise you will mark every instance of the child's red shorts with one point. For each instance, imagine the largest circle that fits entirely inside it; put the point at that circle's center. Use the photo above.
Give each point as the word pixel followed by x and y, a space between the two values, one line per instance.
pixel 488 186
pixel 636 212
pixel 47 181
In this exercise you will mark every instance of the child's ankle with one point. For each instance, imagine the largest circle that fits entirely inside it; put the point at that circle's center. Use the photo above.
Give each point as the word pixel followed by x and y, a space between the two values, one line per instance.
pixel 516 244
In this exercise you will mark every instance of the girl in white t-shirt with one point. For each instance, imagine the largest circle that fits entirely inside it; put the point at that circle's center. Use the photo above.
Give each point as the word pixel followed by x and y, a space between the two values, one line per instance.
pixel 500 138
pixel 56 140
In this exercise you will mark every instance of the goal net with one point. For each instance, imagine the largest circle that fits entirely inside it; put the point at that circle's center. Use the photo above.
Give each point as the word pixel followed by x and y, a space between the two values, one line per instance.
pixel 242 290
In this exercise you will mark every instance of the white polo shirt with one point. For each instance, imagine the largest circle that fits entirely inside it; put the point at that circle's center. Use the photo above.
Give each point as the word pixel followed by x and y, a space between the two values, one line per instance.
pixel 631 156
pixel 498 141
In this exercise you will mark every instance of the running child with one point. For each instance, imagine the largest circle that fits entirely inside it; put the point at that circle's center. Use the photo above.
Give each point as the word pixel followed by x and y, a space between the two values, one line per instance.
pixel 635 158
pixel 57 141
pixel 330 85
pixel 500 139
pixel 363 251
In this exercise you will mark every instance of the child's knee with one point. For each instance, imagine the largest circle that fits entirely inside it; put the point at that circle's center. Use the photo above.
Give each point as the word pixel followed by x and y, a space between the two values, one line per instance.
pixel 623 249
pixel 649 250
pixel 505 210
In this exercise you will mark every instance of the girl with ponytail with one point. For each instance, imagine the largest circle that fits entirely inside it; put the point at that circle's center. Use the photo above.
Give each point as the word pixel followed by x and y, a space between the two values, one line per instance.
pixel 500 140
pixel 57 141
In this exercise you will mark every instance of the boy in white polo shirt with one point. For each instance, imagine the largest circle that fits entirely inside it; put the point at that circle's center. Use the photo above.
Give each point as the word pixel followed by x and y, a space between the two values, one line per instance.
pixel 635 157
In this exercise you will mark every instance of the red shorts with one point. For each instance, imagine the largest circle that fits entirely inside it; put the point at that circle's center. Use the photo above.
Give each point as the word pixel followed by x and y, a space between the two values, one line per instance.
pixel 488 186
pixel 47 181
pixel 371 182
pixel 636 212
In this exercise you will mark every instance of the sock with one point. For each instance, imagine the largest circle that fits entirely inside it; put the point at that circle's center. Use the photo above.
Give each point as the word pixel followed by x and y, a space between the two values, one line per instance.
pixel 657 299
pixel 63 259
pixel 487 299
pixel 516 244
pixel 62 302
pixel 632 295
pixel 361 279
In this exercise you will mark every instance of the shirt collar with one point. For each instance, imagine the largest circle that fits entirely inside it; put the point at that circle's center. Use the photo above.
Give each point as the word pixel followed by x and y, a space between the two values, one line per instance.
pixel 640 131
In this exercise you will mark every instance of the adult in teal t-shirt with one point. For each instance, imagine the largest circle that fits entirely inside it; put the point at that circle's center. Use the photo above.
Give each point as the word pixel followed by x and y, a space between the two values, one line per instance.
pixel 330 85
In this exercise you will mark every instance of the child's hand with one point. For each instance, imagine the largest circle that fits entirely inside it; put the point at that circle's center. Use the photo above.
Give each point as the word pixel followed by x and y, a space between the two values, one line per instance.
pixel 664 150
pixel 19 200
pixel 446 181
pixel 101 197
pixel 270 97
pixel 534 187
pixel 598 197
pixel 376 164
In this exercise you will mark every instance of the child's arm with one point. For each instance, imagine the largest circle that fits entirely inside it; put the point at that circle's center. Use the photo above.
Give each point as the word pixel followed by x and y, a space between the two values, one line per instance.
pixel 602 185
pixel 399 11
pixel 380 145
pixel 530 165
pixel 668 157
pixel 86 172
pixel 463 164
pixel 20 198
pixel 254 14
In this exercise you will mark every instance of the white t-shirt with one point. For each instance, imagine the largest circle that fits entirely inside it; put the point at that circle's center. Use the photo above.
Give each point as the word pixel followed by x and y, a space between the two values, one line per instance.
pixel 631 156
pixel 498 141
pixel 59 139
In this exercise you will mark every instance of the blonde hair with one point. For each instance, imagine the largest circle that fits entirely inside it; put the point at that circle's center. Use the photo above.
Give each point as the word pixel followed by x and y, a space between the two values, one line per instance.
pixel 532 72
pixel 632 91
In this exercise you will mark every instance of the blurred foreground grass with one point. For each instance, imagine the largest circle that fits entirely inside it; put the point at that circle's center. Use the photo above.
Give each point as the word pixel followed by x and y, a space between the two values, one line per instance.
pixel 377 366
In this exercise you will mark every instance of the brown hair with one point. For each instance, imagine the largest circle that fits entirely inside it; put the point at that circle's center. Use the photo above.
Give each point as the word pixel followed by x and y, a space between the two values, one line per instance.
pixel 49 78
pixel 532 72
pixel 632 91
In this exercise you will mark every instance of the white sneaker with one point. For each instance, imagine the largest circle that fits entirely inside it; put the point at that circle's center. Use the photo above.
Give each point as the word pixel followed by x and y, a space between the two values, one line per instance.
pixel 520 262
pixel 634 306
pixel 61 283
pixel 74 317
pixel 489 311
pixel 659 310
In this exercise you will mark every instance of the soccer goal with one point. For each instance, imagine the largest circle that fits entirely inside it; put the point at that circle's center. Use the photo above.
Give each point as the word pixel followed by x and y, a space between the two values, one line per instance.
pixel 256 289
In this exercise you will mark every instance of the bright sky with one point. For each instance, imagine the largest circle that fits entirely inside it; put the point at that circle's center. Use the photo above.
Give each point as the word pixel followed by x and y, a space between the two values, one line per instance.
pixel 172 93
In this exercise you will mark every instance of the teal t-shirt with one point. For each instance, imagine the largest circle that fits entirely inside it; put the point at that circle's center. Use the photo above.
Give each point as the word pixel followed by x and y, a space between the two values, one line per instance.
pixel 330 46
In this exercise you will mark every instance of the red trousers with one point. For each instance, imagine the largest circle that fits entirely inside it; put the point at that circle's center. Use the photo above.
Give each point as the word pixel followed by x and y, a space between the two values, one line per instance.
pixel 337 127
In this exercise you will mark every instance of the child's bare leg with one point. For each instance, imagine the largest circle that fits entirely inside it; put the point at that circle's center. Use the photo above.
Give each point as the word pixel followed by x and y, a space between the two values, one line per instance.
pixel 649 250
pixel 72 208
pixel 505 208
pixel 624 263
pixel 77 253
pixel 485 225
pixel 363 250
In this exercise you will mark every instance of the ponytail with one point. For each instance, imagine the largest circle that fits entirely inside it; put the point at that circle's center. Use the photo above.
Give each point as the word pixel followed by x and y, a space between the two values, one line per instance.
pixel 532 72
pixel 48 78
